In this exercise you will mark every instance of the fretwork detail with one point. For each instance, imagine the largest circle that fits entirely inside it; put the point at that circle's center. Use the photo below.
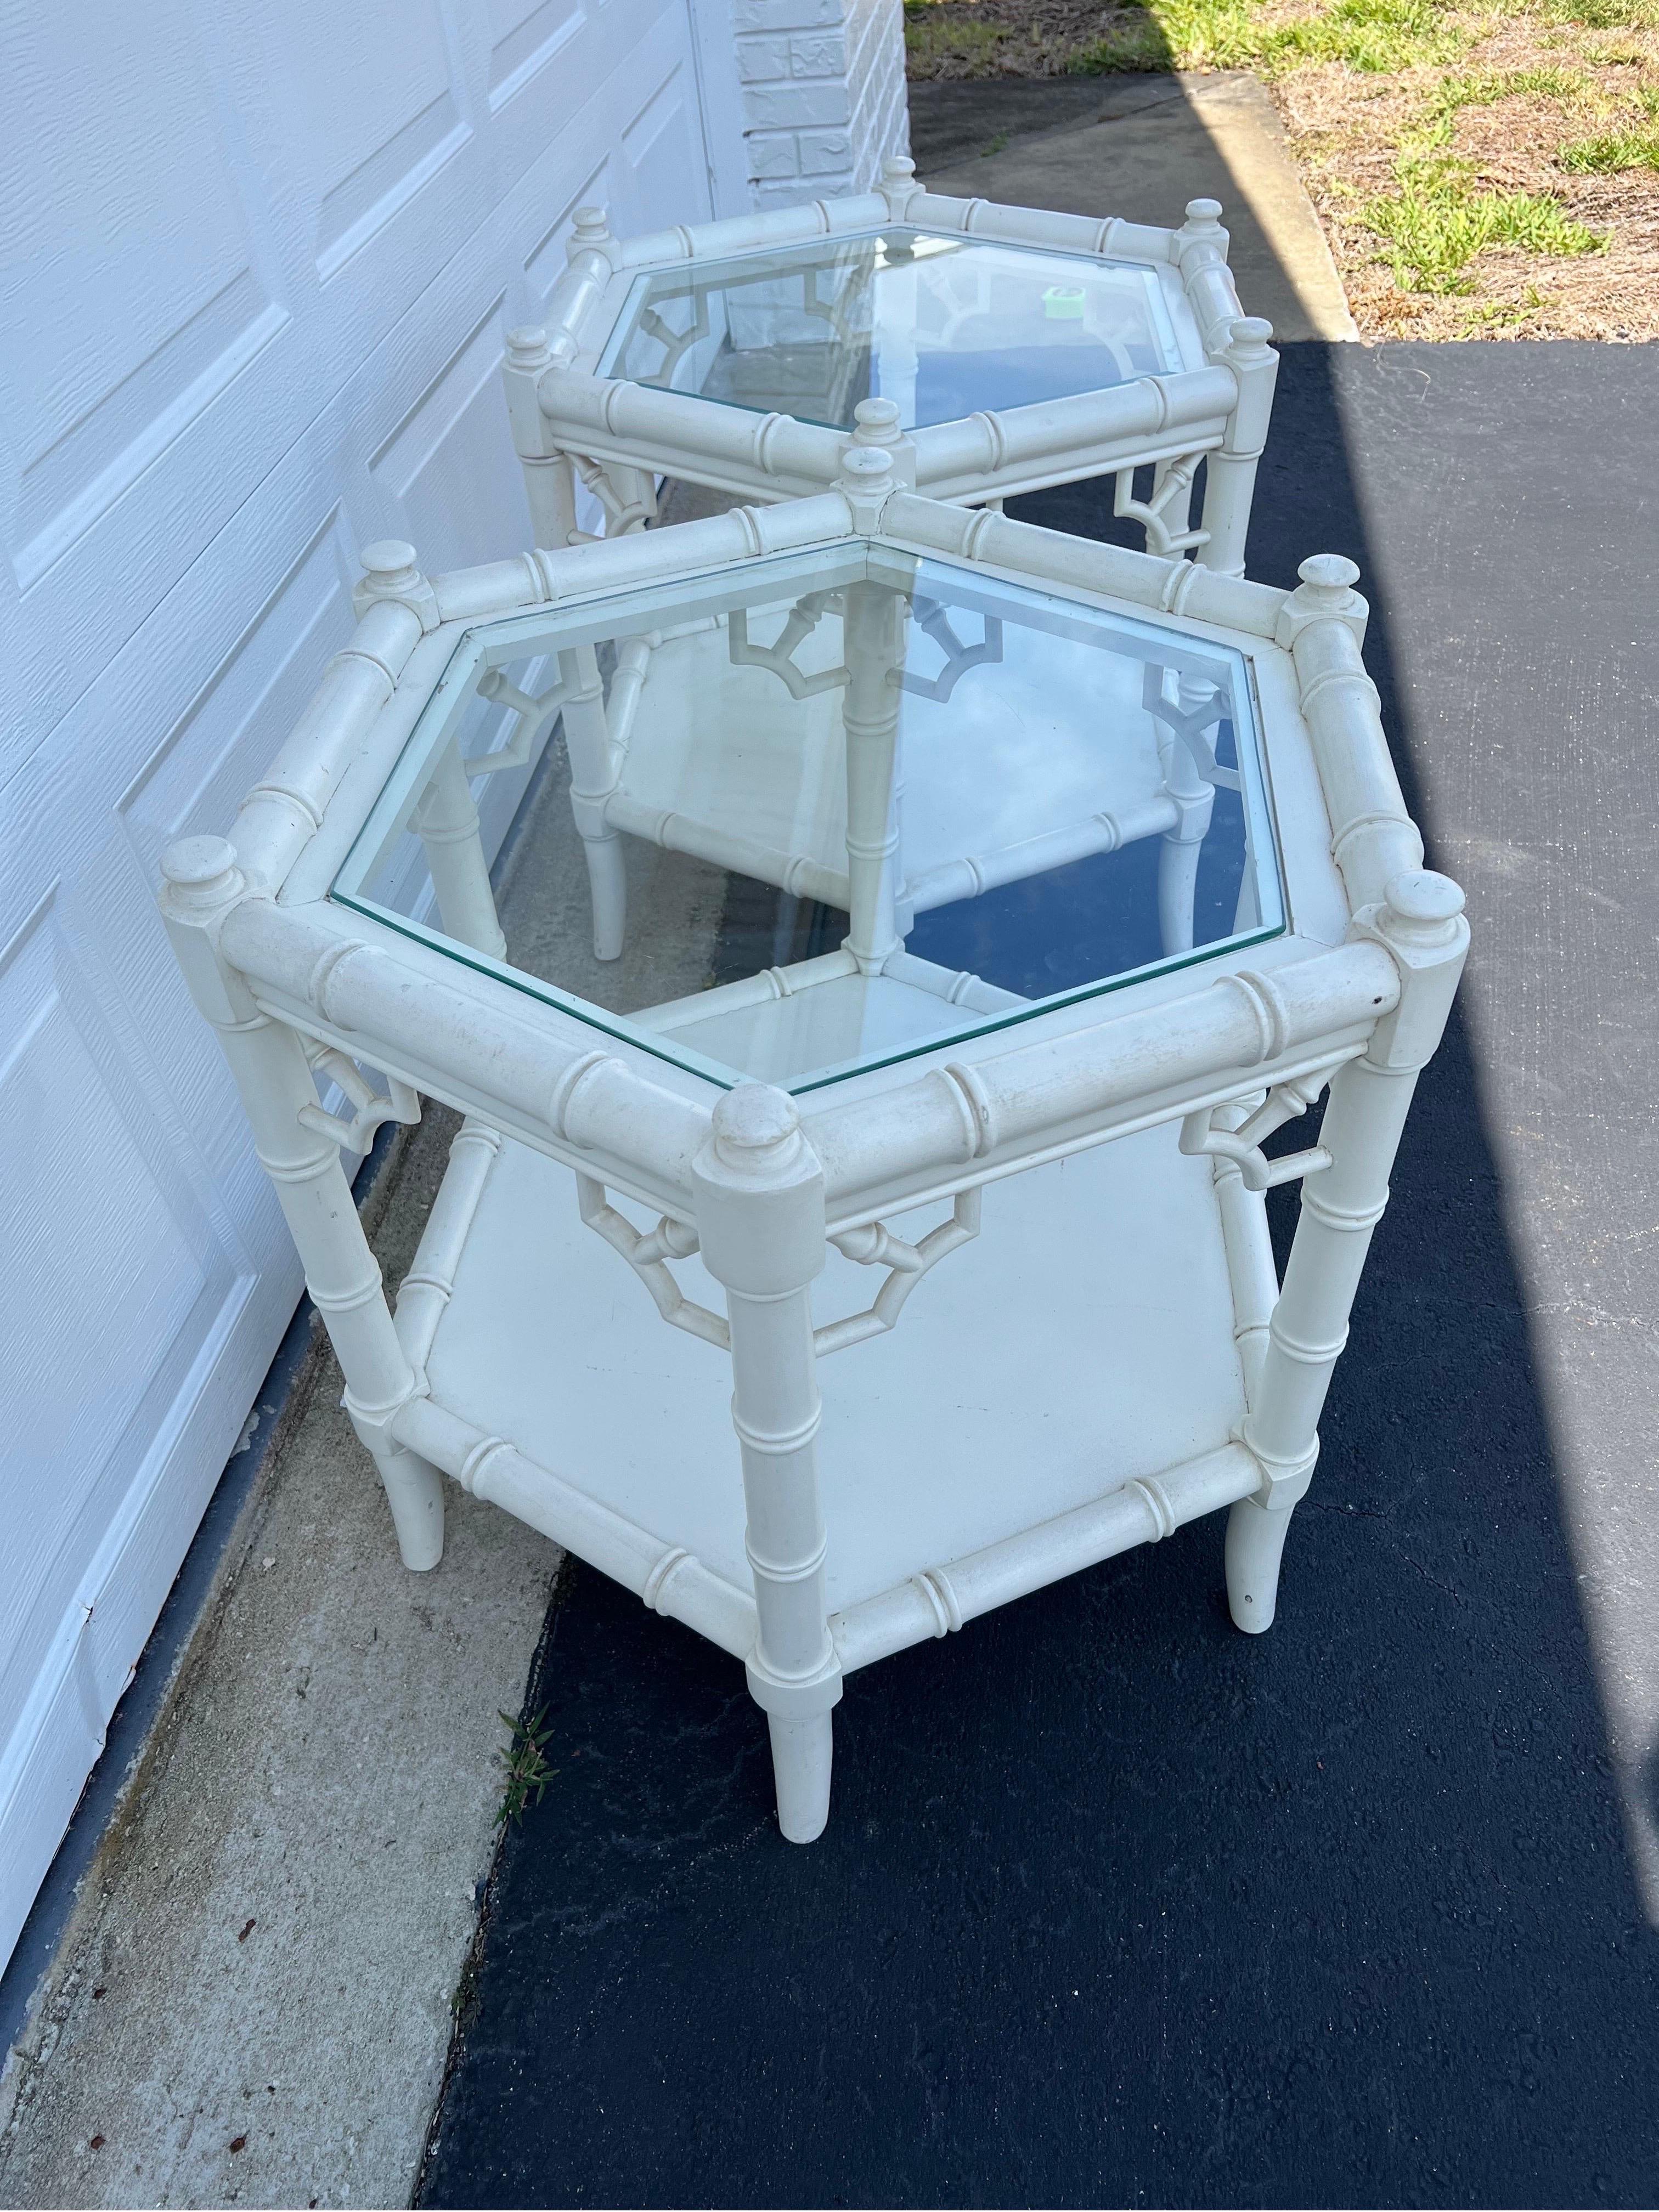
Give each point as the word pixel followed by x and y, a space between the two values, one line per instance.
pixel 876 1246
pixel 1286 1102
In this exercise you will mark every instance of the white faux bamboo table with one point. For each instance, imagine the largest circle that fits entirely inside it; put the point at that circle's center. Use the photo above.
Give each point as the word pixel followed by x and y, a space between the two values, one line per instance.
pixel 1115 880
pixel 990 350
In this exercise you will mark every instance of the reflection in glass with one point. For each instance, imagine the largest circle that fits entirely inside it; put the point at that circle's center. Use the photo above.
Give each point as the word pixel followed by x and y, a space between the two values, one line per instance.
pixel 821 811
pixel 940 325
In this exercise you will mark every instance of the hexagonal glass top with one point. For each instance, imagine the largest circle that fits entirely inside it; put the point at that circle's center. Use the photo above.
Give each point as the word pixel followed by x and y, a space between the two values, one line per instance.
pixel 823 811
pixel 938 324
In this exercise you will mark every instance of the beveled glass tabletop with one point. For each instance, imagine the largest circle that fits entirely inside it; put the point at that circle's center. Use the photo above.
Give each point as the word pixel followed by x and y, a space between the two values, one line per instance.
pixel 941 325
pixel 857 803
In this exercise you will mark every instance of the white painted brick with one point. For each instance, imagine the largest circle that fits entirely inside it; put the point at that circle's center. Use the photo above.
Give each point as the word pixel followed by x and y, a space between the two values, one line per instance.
pixel 784 15
pixel 819 54
pixel 823 151
pixel 759 59
pixel 822 125
pixel 772 155
pixel 796 106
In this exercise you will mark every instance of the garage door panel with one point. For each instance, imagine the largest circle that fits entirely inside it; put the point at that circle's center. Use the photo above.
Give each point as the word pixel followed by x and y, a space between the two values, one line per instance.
pixel 318 366
pixel 131 296
pixel 447 476
pixel 111 1246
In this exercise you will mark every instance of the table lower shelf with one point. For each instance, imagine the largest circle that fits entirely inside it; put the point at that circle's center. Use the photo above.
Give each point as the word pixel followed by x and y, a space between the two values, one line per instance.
pixel 1065 1386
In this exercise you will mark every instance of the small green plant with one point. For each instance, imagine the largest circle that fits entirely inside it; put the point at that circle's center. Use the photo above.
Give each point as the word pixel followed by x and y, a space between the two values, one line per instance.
pixel 995 146
pixel 1603 15
pixel 1435 224
pixel 1611 152
pixel 1484 89
pixel 930 37
pixel 526 1768
pixel 1502 317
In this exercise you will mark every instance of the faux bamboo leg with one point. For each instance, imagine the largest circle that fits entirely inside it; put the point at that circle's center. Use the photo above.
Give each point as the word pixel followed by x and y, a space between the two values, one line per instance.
pixel 1178 854
pixel 1230 471
pixel 550 480
pixel 760 1218
pixel 592 780
pixel 1421 924
pixel 272 1074
pixel 870 714
pixel 447 823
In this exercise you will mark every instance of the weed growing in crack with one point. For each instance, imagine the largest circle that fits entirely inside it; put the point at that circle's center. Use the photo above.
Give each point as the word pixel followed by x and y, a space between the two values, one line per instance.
pixel 522 1764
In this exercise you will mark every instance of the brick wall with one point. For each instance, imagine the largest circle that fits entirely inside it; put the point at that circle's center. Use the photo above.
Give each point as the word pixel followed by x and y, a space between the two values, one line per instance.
pixel 823 95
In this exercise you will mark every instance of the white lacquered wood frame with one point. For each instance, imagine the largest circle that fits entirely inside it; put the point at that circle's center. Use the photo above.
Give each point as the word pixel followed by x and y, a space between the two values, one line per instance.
pixel 1353 998
pixel 573 428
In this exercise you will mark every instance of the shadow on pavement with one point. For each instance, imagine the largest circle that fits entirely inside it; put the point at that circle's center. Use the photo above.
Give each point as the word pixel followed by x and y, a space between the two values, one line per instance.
pixel 1141 147
pixel 1117 1905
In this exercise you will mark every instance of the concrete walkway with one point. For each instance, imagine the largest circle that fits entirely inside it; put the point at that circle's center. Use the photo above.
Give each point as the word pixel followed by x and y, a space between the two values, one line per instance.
pixel 1141 147
pixel 257 1991
pixel 254 1999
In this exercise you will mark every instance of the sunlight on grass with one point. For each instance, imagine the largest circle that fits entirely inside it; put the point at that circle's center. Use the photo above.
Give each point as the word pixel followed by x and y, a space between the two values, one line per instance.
pixel 1603 15
pixel 1504 319
pixel 1414 189
pixel 1485 88
pixel 1435 224
pixel 1374 36
pixel 1610 153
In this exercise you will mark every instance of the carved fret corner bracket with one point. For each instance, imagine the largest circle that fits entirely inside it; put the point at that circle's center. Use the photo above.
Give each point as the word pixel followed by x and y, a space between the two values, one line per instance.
pixel 876 1246
pixel 1286 1102
pixel 1163 517
pixel 399 1102
pixel 648 1252
pixel 802 620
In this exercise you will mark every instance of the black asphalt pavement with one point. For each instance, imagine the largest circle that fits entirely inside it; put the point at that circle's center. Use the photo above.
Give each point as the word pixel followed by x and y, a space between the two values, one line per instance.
pixel 1117 1905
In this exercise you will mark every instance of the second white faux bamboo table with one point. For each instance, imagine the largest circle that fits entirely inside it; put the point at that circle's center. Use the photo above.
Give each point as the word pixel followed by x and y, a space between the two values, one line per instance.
pixel 990 350
pixel 1039 885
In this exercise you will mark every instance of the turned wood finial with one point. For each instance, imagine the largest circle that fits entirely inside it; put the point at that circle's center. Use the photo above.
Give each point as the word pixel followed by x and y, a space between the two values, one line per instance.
pixel 898 169
pixel 200 872
pixel 590 230
pixel 391 572
pixel 1248 340
pixel 877 423
pixel 866 479
pixel 1327 579
pixel 527 348
pixel 389 564
pixel 1421 907
pixel 752 1123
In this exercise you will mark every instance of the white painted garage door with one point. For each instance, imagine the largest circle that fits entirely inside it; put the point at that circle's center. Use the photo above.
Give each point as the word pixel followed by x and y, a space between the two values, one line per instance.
pixel 256 266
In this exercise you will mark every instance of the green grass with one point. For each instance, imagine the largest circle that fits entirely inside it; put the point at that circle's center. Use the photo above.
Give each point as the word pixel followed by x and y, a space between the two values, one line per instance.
pixel 1603 15
pixel 1439 217
pixel 1610 153
pixel 1436 223
pixel 928 40
pixel 1502 317
pixel 1485 88
pixel 1375 36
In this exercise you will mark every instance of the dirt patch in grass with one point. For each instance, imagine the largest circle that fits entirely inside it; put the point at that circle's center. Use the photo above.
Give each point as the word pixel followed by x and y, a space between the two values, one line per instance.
pixel 1484 172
